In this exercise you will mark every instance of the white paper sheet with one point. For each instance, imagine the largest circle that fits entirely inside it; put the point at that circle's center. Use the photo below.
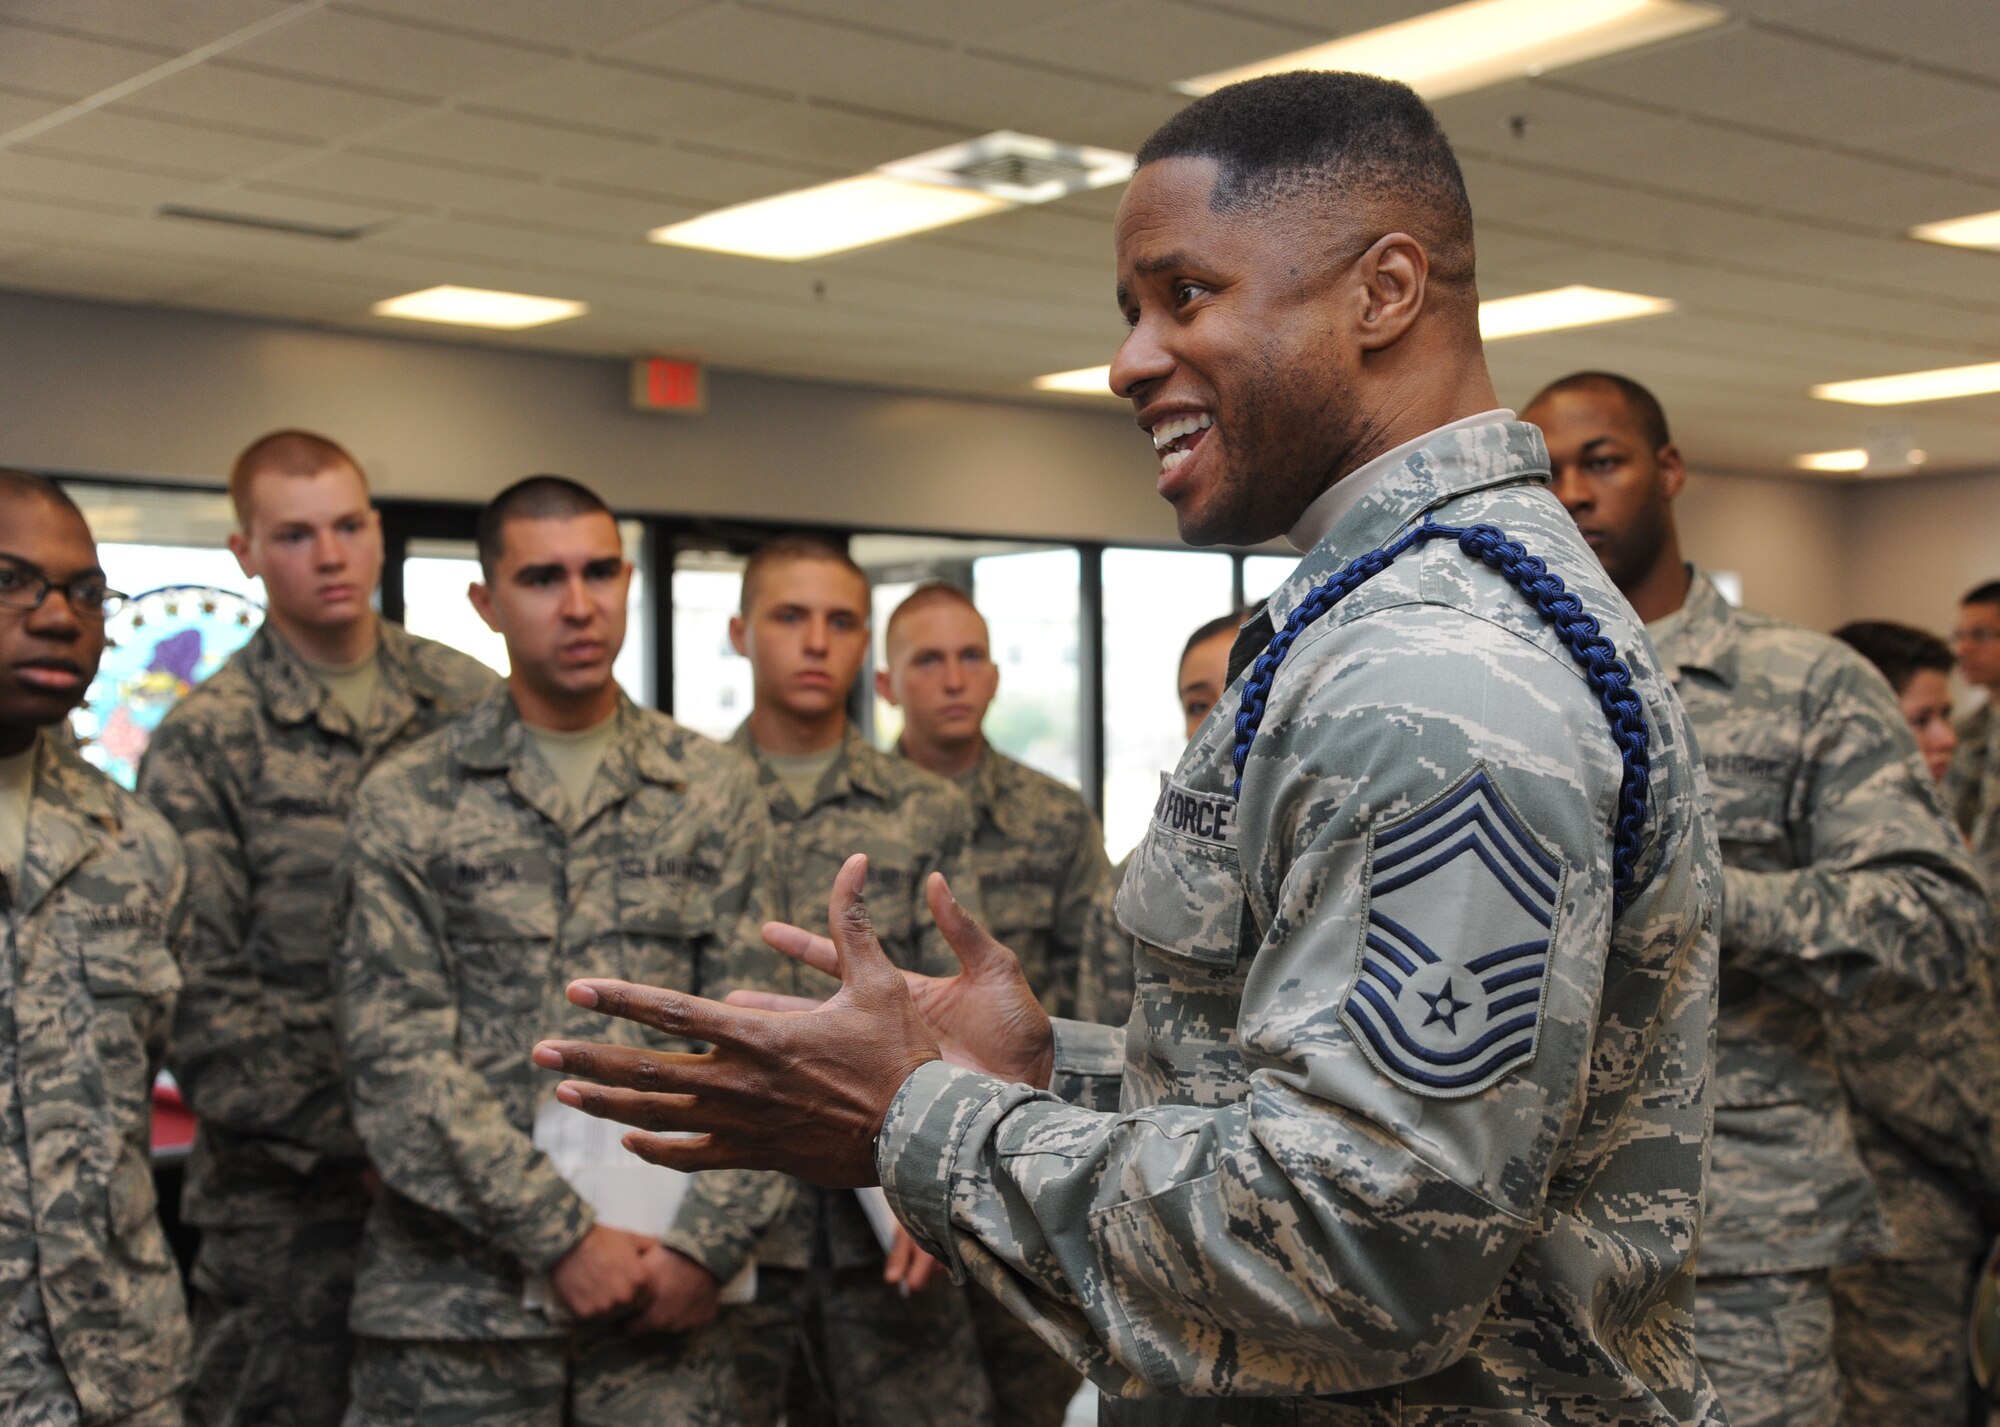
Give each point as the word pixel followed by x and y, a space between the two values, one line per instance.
pixel 626 1191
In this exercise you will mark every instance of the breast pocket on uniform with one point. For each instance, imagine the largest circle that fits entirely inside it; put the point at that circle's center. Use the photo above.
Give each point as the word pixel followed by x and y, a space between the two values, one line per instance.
pixel 666 911
pixel 129 977
pixel 1183 893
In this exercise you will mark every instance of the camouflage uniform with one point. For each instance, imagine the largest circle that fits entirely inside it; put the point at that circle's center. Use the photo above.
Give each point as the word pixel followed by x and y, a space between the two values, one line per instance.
pixel 822 1310
pixel 1312 1200
pixel 257 769
pixel 1845 891
pixel 476 895
pixel 1047 888
pixel 93 1328
pixel 1972 788
pixel 1104 981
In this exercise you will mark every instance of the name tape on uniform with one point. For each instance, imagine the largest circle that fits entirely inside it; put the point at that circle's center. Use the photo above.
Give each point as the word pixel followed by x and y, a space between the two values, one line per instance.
pixel 1205 817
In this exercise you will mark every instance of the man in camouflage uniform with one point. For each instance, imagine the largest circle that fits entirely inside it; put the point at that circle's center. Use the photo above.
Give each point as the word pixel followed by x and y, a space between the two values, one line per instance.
pixel 558 830
pixel 829 1338
pixel 1413 1105
pixel 1045 882
pixel 1846 896
pixel 257 770
pixel 93 1328
pixel 1973 788
pixel 1929 1134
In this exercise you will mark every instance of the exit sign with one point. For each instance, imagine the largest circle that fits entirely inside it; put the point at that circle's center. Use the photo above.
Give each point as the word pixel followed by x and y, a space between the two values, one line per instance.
pixel 669 384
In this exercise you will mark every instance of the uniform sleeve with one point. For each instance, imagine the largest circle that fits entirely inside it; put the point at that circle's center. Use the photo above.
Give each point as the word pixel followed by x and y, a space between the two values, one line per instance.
pixel 1307 1222
pixel 226 1038
pixel 436 1133
pixel 1885 901
pixel 1079 902
pixel 727 1211
pixel 1962 779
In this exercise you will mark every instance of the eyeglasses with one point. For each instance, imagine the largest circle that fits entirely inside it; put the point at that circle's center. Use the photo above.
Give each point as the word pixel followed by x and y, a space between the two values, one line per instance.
pixel 88 596
pixel 1976 636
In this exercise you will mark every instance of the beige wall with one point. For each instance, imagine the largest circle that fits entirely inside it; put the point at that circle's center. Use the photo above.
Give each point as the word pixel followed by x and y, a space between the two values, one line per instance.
pixel 102 389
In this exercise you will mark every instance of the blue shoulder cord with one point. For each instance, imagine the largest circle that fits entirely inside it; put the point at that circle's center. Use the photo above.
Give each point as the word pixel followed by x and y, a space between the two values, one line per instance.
pixel 1602 668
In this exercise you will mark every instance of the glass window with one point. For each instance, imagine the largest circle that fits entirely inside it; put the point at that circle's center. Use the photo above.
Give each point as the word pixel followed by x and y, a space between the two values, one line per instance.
pixel 1153 600
pixel 1029 595
pixel 435 576
pixel 1264 573
pixel 191 608
pixel 712 689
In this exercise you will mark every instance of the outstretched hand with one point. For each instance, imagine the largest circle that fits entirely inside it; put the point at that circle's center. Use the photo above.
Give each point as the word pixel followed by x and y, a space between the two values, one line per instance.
pixel 800 1091
pixel 985 1018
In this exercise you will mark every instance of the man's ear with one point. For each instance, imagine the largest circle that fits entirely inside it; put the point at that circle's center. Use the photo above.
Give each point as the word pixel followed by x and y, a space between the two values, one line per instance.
pixel 239 546
pixel 739 635
pixel 1393 275
pixel 482 603
pixel 1673 470
pixel 886 689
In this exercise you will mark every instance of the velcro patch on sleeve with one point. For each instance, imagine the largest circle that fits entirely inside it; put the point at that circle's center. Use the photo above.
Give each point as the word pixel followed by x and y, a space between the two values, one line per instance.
pixel 1462 904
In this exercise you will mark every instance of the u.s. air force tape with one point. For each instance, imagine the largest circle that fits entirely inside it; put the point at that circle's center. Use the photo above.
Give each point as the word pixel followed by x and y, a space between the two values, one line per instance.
pixel 1205 817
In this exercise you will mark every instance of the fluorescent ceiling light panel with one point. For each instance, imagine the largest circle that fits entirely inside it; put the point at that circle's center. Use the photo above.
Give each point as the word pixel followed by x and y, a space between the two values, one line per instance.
pixel 1980 230
pixel 1485 42
pixel 812 222
pixel 479 307
pixel 1561 307
pixel 1084 381
pixel 1938 385
pixel 1855 459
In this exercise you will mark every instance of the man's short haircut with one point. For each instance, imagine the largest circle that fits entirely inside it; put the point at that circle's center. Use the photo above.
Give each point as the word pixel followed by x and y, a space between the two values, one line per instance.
pixel 1898 650
pixel 26 485
pixel 1644 406
pixel 922 597
pixel 285 453
pixel 1334 137
pixel 531 498
pixel 1988 593
pixel 790 549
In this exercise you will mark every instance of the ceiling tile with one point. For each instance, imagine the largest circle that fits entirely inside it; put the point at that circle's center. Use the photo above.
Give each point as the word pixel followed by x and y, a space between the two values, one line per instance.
pixel 169 25
pixel 571 25
pixel 121 188
pixel 528 145
pixel 1154 42
pixel 590 92
pixel 383 54
pixel 68 67
pixel 221 93
pixel 168 145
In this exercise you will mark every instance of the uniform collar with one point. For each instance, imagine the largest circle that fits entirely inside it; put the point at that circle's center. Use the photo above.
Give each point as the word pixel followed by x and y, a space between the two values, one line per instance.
pixel 293 694
pixel 1469 455
pixel 72 810
pixel 1706 634
pixel 492 739
pixel 858 768
pixel 1346 493
pixel 987 788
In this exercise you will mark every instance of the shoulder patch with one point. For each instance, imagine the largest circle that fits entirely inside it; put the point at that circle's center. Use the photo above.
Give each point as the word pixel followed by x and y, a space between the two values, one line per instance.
pixel 1462 902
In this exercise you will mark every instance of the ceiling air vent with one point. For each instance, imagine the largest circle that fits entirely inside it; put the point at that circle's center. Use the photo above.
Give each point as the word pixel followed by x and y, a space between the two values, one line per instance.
pixel 264 225
pixel 1017 167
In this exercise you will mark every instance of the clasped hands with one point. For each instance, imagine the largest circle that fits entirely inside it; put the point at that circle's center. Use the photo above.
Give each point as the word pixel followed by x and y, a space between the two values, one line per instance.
pixel 796 1085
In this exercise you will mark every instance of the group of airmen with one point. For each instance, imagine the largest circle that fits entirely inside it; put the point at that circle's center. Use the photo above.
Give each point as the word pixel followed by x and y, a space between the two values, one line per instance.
pixel 1545 991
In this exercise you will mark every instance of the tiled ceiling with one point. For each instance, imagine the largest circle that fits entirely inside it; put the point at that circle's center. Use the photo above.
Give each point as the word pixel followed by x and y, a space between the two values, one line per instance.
pixel 1761 173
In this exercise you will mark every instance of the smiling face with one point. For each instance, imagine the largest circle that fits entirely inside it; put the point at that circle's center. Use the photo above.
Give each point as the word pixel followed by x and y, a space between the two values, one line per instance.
pixel 1241 362
pixel 316 542
pixel 805 631
pixel 556 594
pixel 1615 484
pixel 48 655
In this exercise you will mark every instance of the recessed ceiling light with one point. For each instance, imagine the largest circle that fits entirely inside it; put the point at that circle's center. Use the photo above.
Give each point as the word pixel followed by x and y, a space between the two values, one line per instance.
pixel 1084 381
pixel 1980 230
pixel 1977 380
pixel 1854 459
pixel 929 190
pixel 1485 42
pixel 1560 307
pixel 479 307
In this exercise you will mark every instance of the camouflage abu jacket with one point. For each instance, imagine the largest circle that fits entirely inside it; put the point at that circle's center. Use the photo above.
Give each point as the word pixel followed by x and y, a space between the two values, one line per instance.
pixel 1043 875
pixel 94 923
pixel 1845 891
pixel 1412 1127
pixel 475 895
pixel 256 770
pixel 910 823
pixel 1972 790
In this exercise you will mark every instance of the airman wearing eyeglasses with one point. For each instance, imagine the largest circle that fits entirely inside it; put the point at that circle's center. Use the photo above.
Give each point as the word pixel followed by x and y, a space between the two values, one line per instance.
pixel 93 1328
pixel 1972 788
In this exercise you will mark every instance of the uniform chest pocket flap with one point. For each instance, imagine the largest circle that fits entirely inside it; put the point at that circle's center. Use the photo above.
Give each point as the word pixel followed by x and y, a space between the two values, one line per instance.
pixel 1183 892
